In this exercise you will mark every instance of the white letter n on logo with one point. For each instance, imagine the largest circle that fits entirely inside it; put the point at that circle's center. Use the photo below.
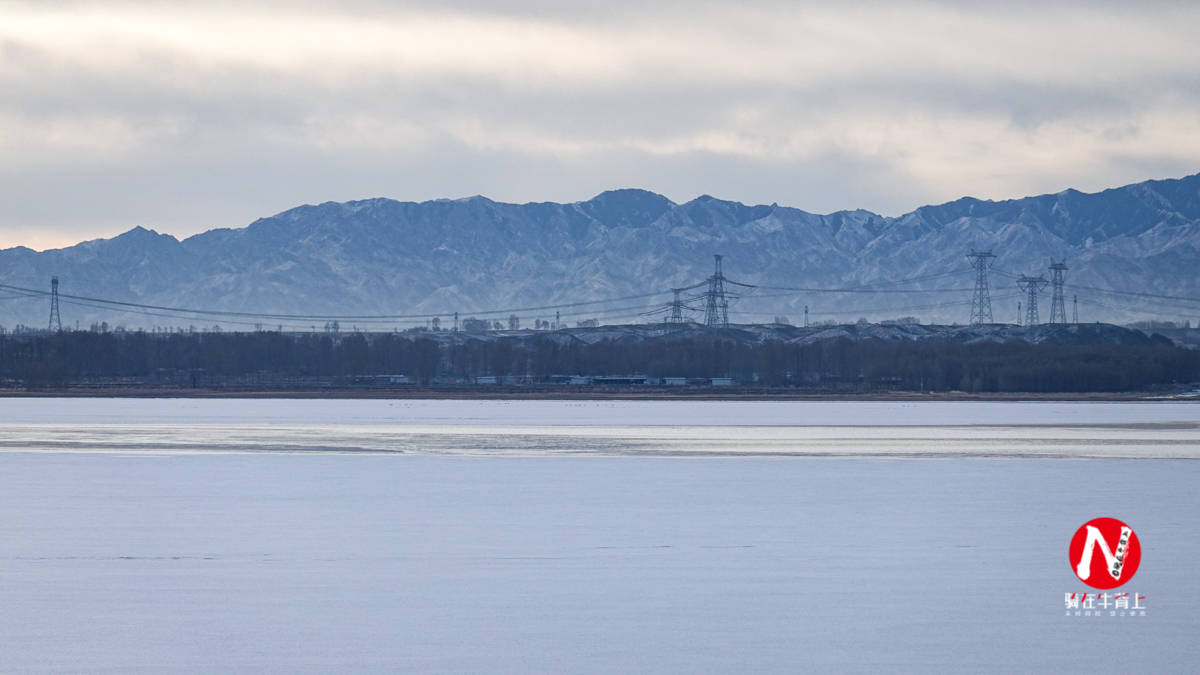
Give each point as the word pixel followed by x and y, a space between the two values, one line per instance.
pixel 1112 561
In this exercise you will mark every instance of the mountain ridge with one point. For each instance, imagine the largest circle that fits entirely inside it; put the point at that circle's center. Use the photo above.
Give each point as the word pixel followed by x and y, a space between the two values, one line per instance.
pixel 473 254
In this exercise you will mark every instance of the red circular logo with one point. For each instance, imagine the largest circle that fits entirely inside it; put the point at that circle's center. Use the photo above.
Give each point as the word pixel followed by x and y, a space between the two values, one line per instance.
pixel 1104 553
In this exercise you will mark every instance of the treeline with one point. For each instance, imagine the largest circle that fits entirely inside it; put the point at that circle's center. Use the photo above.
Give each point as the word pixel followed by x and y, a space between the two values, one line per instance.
pixel 59 359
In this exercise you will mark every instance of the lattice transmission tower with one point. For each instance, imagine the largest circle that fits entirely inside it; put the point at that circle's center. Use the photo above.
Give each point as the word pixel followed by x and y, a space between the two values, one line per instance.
pixel 716 307
pixel 1031 286
pixel 1058 305
pixel 677 307
pixel 55 319
pixel 981 301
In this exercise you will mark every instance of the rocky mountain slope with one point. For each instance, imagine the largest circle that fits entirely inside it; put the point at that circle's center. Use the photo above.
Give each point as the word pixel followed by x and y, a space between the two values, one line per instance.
pixel 474 255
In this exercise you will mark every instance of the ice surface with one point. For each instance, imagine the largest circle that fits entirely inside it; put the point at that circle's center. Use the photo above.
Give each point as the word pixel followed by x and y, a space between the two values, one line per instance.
pixel 667 428
pixel 135 560
pixel 332 563
pixel 1111 441
pixel 582 413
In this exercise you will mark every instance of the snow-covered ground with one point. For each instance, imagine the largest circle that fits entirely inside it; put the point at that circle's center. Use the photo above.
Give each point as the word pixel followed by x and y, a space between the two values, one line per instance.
pixel 159 560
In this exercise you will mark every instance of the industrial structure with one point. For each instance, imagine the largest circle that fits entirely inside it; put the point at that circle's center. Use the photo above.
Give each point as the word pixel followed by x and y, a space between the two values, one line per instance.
pixel 677 307
pixel 716 307
pixel 55 318
pixel 1058 307
pixel 1031 286
pixel 981 300
pixel 712 296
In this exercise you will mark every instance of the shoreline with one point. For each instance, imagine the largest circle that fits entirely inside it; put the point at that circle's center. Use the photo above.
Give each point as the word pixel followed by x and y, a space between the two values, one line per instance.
pixel 1180 395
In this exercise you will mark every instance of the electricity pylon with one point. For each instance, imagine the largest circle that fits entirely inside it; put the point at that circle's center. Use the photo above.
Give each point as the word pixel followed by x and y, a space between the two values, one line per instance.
pixel 981 301
pixel 1031 286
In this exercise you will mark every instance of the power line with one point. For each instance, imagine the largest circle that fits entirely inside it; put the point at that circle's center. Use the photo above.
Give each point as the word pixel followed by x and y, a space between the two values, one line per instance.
pixel 1097 303
pixel 322 317
pixel 157 314
pixel 793 293
pixel 1133 304
pixel 16 296
pixel 227 316
pixel 1138 294
pixel 868 288
pixel 611 312
pixel 1139 309
pixel 716 301
pixel 872 310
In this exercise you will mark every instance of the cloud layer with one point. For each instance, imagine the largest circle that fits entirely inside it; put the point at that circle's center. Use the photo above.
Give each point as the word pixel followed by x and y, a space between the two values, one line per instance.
pixel 184 117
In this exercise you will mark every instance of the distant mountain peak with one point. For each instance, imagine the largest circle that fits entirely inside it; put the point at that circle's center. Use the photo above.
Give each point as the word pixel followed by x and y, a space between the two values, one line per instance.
pixel 383 256
pixel 627 207
pixel 630 194
pixel 139 232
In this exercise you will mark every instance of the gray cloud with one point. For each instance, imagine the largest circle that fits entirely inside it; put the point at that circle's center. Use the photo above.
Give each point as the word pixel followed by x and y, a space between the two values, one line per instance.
pixel 185 117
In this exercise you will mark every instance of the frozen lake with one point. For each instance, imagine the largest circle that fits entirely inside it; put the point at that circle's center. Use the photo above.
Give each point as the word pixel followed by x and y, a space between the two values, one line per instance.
pixel 486 536
pixel 1164 430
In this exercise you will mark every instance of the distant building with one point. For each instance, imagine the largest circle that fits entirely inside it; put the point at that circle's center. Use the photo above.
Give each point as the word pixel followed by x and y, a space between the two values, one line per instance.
pixel 619 380
pixel 570 379
pixel 722 381
pixel 380 380
pixel 675 381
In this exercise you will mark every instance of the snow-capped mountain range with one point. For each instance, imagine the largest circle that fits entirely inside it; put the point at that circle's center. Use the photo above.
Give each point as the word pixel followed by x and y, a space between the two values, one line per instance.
pixel 474 255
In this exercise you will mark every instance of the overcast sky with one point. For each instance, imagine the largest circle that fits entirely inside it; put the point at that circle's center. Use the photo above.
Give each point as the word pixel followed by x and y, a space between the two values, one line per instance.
pixel 182 116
